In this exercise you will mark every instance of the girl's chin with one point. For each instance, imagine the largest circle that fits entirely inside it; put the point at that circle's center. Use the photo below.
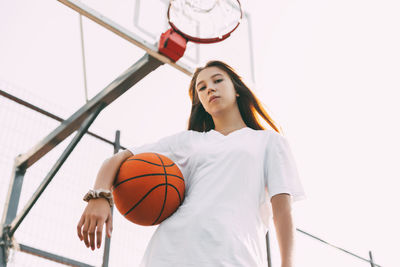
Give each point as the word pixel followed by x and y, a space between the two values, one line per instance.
pixel 216 112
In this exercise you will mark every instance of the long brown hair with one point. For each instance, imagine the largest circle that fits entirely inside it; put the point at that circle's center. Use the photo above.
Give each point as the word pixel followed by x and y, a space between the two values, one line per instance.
pixel 249 105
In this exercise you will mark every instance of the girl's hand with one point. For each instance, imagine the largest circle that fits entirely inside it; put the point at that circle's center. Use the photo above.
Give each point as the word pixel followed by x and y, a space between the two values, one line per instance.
pixel 96 213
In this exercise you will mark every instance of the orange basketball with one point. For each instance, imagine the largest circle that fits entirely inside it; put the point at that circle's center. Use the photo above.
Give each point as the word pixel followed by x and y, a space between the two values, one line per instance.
pixel 149 187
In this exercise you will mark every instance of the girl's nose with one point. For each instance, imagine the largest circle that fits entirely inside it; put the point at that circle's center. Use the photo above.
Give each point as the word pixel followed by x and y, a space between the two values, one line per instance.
pixel 210 89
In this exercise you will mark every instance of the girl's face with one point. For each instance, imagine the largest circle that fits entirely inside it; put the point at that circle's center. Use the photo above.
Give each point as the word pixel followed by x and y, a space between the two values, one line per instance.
pixel 215 90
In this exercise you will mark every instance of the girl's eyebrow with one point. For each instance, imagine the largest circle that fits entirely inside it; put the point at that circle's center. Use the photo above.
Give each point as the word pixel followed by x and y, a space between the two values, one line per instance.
pixel 211 77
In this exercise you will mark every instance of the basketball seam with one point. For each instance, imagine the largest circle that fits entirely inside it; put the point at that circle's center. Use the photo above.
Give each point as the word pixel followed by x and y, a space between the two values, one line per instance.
pixel 145 175
pixel 152 163
pixel 166 189
pixel 177 191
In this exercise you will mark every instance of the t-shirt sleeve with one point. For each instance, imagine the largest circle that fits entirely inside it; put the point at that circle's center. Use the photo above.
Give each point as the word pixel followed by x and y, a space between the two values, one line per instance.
pixel 163 146
pixel 176 147
pixel 169 146
pixel 280 170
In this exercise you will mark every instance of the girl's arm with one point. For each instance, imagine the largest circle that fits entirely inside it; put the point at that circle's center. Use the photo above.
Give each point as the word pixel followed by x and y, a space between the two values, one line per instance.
pixel 108 171
pixel 283 221
pixel 98 211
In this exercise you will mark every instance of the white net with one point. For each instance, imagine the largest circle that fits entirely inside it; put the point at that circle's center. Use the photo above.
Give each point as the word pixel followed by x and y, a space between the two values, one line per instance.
pixel 206 18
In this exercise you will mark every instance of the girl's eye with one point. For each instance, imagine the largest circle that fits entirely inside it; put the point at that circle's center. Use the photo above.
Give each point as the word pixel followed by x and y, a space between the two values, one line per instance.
pixel 218 81
pixel 202 88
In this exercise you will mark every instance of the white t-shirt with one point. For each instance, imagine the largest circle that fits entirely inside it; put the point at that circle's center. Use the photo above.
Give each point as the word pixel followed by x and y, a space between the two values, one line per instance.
pixel 225 214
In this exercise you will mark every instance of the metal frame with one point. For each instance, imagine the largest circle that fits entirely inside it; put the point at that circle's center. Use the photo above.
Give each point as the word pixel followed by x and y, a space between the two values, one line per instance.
pixel 11 222
pixel 82 130
pixel 80 121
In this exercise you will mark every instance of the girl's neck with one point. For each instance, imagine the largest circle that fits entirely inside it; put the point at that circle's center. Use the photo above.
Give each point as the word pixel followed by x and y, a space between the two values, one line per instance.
pixel 227 123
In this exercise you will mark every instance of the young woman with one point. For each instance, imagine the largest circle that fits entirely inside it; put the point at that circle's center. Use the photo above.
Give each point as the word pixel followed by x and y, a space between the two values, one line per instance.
pixel 237 174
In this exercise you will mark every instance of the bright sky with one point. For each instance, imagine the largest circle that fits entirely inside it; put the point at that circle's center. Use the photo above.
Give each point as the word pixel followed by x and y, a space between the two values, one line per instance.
pixel 327 70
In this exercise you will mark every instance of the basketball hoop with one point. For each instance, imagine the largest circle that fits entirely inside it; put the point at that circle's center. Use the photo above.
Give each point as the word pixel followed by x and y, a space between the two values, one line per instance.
pixel 198 21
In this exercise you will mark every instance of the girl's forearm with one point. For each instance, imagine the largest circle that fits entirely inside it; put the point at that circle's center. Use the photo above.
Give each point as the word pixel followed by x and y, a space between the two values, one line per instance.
pixel 285 235
pixel 108 170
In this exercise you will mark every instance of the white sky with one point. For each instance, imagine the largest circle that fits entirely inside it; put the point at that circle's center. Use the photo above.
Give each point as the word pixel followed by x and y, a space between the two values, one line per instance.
pixel 328 71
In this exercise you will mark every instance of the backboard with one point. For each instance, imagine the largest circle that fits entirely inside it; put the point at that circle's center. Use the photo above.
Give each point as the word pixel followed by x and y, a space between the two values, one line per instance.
pixel 147 19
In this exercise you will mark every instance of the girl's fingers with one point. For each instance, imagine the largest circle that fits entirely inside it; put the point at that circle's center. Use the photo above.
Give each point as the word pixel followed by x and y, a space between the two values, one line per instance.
pixel 85 231
pixel 90 226
pixel 109 226
pixel 99 231
pixel 91 232
pixel 79 227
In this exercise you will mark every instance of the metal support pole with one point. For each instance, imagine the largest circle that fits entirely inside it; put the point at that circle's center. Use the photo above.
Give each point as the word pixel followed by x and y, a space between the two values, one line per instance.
pixel 268 250
pixel 82 130
pixel 371 259
pixel 51 256
pixel 253 76
pixel 348 252
pixel 4 247
pixel 14 192
pixel 10 211
pixel 107 244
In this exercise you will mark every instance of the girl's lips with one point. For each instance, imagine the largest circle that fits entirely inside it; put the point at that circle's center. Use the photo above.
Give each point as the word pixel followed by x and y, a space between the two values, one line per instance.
pixel 213 98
